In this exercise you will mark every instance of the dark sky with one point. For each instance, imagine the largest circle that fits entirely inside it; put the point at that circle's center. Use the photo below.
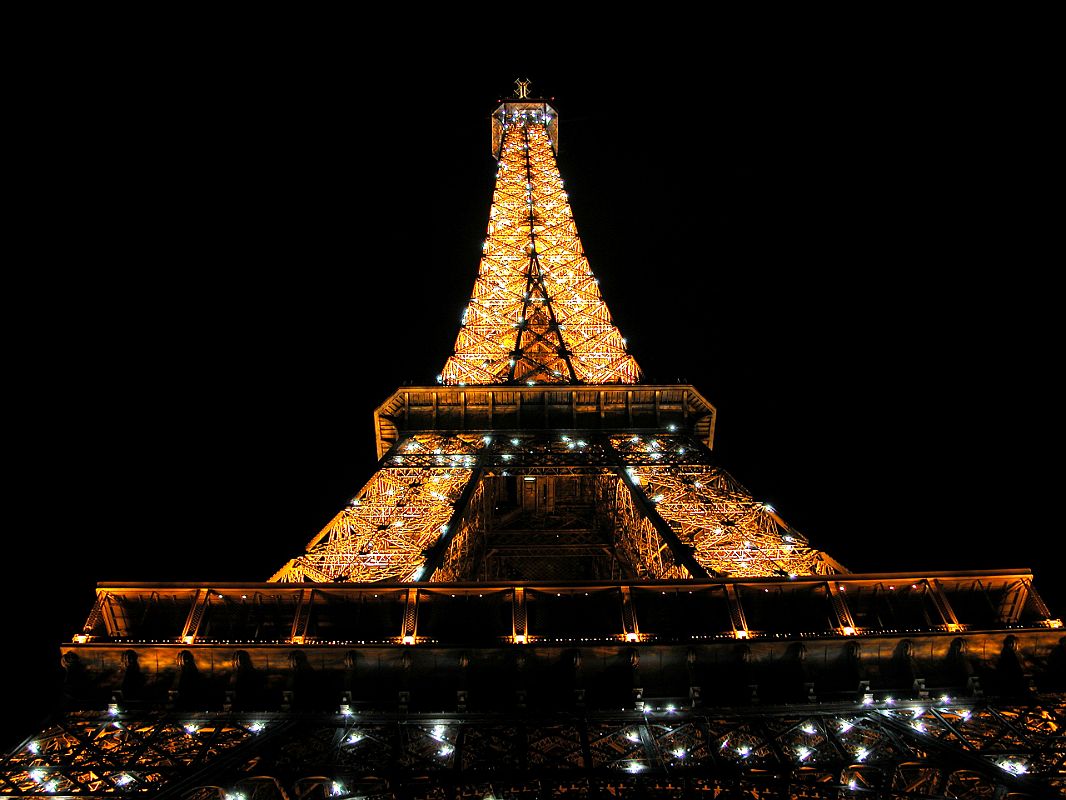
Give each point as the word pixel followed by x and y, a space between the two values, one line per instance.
pixel 845 251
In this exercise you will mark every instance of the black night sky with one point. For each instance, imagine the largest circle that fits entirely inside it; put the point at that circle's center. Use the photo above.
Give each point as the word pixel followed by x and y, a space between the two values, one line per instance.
pixel 845 251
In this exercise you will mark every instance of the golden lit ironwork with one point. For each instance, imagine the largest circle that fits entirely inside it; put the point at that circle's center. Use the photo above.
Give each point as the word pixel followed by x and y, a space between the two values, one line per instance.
pixel 527 548
pixel 730 531
pixel 659 503
pixel 966 748
pixel 89 754
pixel 462 555
pixel 536 314
pixel 638 540
pixel 383 533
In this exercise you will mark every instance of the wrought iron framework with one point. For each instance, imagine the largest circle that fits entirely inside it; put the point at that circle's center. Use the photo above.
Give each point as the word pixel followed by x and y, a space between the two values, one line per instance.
pixel 536 314
pixel 673 513
pixel 949 748
pixel 396 659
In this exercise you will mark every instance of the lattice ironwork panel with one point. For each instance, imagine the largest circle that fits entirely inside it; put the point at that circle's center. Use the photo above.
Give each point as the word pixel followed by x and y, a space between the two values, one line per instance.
pixel 384 532
pixel 414 500
pixel 944 748
pixel 91 753
pixel 731 532
pixel 636 538
pixel 465 550
pixel 490 747
pixel 536 314
pixel 555 747
pixel 618 745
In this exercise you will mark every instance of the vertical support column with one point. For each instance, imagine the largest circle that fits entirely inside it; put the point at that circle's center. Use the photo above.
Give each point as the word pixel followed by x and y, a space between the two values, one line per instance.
pixel 518 616
pixel 302 617
pixel 94 619
pixel 629 616
pixel 436 552
pixel 684 555
pixel 943 607
pixel 196 615
pixel 845 622
pixel 1010 607
pixel 736 612
pixel 111 620
pixel 410 617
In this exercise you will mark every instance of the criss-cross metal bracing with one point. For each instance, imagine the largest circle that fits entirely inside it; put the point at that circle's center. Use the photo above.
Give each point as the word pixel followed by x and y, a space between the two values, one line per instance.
pixel 671 512
pixel 536 317
pixel 947 748
pixel 536 314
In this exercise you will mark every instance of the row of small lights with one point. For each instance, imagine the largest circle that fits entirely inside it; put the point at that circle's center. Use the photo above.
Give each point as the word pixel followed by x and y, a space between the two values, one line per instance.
pixel 803 752
pixel 413 445
pixel 125 779
pixel 114 710
pixel 739 634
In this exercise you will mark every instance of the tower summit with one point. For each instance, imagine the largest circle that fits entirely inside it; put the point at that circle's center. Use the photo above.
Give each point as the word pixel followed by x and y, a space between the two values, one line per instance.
pixel 548 587
pixel 536 314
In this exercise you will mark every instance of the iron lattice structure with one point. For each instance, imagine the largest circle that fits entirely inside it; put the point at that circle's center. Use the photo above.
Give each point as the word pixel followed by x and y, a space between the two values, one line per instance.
pixel 536 317
pixel 668 511
pixel 549 588
pixel 536 314
pixel 944 749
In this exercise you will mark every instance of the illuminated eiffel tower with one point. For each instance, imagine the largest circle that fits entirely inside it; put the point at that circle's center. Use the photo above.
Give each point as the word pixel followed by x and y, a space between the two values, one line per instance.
pixel 550 588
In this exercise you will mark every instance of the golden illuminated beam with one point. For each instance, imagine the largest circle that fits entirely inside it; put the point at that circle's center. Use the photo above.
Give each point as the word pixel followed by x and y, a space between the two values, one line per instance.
pixel 731 533
pixel 637 539
pixel 536 314
pixel 383 533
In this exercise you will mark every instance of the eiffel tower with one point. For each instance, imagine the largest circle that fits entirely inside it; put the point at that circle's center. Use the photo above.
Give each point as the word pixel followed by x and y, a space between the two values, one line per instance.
pixel 549 587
